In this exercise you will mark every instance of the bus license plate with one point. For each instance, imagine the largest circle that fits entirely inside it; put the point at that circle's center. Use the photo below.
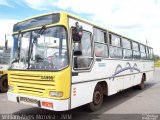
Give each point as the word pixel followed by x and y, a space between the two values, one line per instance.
pixel 30 101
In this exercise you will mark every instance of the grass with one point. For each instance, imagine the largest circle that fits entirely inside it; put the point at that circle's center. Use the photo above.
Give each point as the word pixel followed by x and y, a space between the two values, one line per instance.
pixel 157 64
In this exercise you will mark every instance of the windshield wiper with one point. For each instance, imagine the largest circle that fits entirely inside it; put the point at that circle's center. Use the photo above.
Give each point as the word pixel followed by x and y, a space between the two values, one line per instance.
pixel 35 38
pixel 41 31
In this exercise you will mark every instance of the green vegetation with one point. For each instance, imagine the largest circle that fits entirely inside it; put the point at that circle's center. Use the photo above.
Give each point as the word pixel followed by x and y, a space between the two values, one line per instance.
pixel 157 61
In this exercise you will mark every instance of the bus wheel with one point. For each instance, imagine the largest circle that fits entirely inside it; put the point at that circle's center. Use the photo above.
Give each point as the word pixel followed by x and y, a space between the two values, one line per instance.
pixel 4 84
pixel 97 98
pixel 141 85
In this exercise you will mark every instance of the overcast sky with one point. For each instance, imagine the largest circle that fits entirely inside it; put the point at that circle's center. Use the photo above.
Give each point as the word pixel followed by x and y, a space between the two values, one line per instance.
pixel 136 19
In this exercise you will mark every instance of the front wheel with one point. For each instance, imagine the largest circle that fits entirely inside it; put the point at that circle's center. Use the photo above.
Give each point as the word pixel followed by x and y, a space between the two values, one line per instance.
pixel 4 84
pixel 97 98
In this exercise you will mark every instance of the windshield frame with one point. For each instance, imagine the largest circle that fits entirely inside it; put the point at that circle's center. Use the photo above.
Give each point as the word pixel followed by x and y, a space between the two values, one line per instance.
pixel 33 29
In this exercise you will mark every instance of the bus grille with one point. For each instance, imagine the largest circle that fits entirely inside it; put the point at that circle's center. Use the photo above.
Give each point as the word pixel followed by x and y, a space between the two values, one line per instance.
pixel 31 84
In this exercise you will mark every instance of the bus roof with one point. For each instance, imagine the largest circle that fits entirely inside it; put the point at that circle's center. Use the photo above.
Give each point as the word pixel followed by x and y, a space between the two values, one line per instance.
pixel 83 20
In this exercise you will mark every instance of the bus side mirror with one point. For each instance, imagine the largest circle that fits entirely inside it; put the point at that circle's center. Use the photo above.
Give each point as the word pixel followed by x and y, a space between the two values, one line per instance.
pixel 77 33
pixel 76 37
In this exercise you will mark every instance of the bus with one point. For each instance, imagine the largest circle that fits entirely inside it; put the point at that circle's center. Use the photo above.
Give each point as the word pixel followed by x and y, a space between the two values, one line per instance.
pixel 61 61
pixel 4 63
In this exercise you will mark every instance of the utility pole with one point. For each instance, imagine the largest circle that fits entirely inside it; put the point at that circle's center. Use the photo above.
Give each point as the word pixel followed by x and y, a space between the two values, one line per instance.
pixel 6 41
pixel 146 41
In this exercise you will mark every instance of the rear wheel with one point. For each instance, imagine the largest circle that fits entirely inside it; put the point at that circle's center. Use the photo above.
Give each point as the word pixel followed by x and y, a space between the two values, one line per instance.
pixel 141 85
pixel 97 98
pixel 4 84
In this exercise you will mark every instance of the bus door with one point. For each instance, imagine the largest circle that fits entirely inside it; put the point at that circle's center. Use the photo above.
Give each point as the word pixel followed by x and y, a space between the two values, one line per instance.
pixel 82 61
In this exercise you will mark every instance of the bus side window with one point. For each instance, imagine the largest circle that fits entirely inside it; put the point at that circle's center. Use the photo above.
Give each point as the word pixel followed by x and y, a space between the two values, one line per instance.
pixel 83 61
pixel 99 35
pixel 136 53
pixel 127 52
pixel 150 53
pixel 143 52
pixel 101 48
pixel 115 46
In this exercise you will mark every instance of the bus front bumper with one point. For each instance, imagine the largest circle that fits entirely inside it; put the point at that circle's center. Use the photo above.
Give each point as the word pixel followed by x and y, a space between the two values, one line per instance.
pixel 51 104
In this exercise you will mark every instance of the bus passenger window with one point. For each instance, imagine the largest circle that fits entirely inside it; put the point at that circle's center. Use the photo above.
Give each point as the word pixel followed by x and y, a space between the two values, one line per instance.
pixel 136 53
pixel 101 50
pixel 127 52
pixel 150 54
pixel 143 52
pixel 83 61
pixel 99 35
pixel 100 39
pixel 115 47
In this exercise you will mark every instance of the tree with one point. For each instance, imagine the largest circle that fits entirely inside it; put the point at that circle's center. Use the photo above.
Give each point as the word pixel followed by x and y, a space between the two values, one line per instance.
pixel 156 58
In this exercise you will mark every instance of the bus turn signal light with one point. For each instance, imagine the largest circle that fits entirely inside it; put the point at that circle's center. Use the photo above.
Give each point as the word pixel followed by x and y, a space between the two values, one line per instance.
pixel 47 104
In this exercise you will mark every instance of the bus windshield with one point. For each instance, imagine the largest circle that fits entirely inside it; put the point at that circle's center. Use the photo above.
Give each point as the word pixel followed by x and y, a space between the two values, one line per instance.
pixel 40 51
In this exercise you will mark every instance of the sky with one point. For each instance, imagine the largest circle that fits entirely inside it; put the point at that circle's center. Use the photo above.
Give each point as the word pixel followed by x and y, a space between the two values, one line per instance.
pixel 136 19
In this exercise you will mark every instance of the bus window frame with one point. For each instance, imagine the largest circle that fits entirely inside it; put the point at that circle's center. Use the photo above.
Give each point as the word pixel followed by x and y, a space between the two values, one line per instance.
pixel 90 57
pixel 133 50
pixel 125 48
pixel 151 53
pixel 141 52
pixel 110 45
pixel 105 42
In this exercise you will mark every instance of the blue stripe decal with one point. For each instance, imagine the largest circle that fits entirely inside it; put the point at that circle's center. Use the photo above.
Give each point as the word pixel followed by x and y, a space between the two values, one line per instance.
pixel 124 69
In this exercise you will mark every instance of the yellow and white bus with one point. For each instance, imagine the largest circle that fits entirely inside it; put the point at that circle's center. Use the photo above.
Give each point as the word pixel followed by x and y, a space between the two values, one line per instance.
pixel 60 62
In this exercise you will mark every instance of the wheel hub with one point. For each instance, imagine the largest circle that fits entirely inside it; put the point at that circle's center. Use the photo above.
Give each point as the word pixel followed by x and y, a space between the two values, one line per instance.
pixel 97 98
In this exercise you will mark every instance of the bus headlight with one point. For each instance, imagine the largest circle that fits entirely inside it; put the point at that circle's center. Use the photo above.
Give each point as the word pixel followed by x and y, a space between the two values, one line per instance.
pixel 56 94
pixel 11 88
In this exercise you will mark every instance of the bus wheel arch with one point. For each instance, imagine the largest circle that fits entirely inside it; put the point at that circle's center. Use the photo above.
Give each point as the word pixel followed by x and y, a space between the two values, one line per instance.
pixel 97 99
pixel 144 74
pixel 143 79
pixel 104 86
pixel 4 84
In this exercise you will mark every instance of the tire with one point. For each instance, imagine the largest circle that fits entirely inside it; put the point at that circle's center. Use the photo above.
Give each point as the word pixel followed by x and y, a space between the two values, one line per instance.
pixel 141 85
pixel 97 99
pixel 4 84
